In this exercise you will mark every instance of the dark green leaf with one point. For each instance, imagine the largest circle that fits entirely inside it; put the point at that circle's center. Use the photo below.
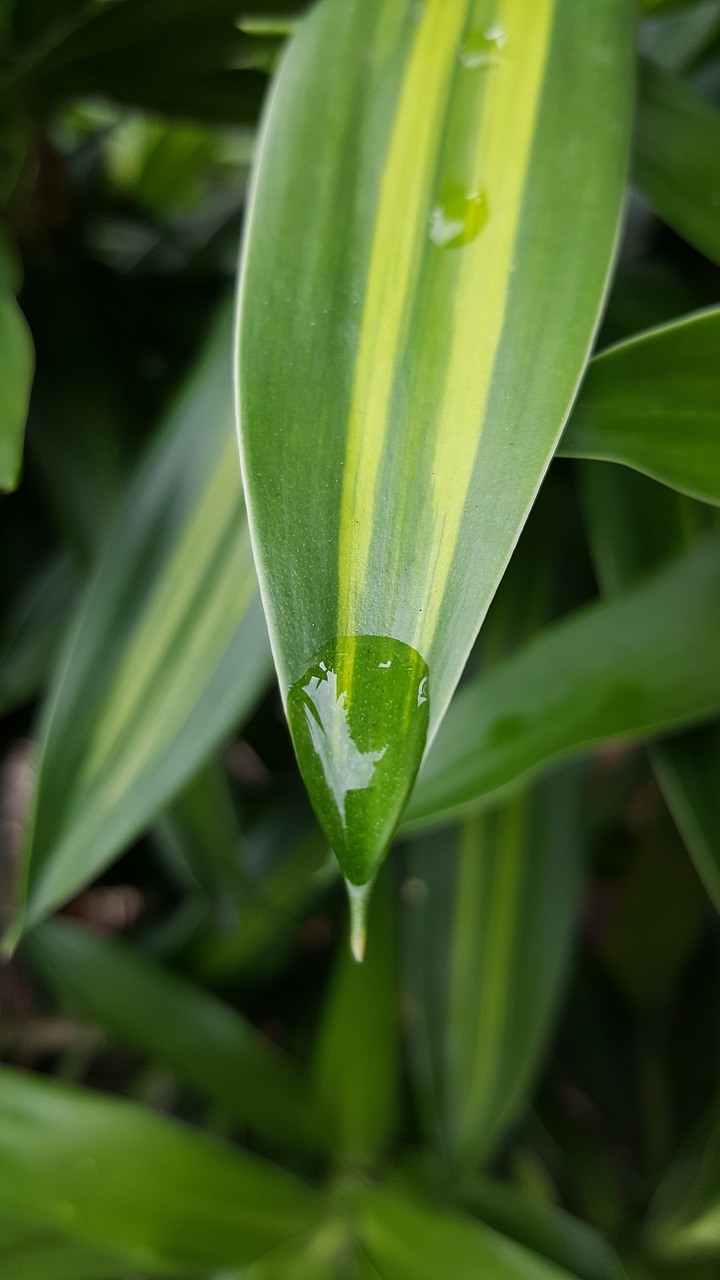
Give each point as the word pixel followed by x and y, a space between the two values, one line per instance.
pixel 635 667
pixel 677 158
pixel 205 1042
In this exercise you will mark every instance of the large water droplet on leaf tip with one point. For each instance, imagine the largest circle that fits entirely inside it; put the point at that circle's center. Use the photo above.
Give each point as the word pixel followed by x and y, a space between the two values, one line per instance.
pixel 359 721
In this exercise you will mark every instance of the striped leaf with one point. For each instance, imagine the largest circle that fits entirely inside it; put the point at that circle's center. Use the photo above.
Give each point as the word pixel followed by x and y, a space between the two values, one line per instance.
pixel 433 219
pixel 167 653
pixel 652 402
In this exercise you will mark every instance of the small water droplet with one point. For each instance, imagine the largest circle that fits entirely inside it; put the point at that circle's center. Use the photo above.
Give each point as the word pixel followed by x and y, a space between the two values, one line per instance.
pixel 359 719
pixel 459 217
pixel 481 50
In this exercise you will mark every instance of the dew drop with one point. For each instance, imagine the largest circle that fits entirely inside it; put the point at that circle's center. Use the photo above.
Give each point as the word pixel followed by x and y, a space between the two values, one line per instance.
pixel 481 50
pixel 359 720
pixel 459 217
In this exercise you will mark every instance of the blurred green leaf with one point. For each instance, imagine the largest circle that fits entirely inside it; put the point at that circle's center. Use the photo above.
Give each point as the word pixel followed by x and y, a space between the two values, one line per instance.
pixel 634 524
pixel 358 1055
pixel 437 273
pixel 32 1251
pixel 490 921
pixel 653 403
pixel 677 158
pixel 407 1241
pixel 167 655
pixel 170 1199
pixel 635 667
pixel 16 372
pixel 684 1217
pixel 543 1227
pixel 519 878
pixel 202 1040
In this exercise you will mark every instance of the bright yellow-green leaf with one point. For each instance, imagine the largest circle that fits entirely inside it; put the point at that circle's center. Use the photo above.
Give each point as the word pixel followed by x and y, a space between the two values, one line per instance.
pixel 434 215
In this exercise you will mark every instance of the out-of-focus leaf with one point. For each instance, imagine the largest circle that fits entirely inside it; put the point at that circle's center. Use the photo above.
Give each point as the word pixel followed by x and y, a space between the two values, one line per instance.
pixel 201 837
pixel 482 1000
pixel 437 273
pixel 170 1199
pixel 17 364
pixel 168 652
pixel 542 1227
pixel 653 403
pixel 32 1251
pixel 408 1241
pixel 684 1217
pixel 357 1067
pixel 519 876
pixel 32 629
pixel 205 1042
pixel 634 667
pixel 634 524
pixel 677 158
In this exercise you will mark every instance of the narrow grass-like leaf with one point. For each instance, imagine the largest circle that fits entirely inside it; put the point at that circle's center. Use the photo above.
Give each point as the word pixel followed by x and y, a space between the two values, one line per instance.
pixel 638 666
pixel 168 652
pixel 408 1241
pixel 497 954
pixel 684 1216
pixel 416 308
pixel 653 403
pixel 17 363
pixel 519 875
pixel 170 1199
pixel 357 1068
pixel 205 1042
pixel 677 158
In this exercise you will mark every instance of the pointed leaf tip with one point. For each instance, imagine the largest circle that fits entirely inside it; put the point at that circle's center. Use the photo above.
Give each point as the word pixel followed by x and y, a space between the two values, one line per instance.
pixel 359 720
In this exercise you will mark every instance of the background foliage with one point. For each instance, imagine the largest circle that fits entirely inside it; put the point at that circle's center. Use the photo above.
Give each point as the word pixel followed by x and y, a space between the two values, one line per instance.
pixel 521 1082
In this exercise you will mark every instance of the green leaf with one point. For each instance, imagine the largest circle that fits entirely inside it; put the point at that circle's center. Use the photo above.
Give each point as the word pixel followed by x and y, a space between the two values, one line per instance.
pixel 634 524
pixel 16 371
pixel 651 403
pixel 684 1216
pixel 519 878
pixel 542 1226
pixel 417 302
pixel 170 1199
pixel 677 158
pixel 483 998
pixel 35 1252
pixel 205 1042
pixel 407 1241
pixel 168 651
pixel 358 1056
pixel 635 667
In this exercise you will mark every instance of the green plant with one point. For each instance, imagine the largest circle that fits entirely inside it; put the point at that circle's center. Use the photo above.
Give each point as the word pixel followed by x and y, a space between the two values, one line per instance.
pixel 488 554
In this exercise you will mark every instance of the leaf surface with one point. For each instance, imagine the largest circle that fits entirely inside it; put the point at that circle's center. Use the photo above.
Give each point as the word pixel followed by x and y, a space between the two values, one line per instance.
pixel 653 403
pixel 168 650
pixel 635 667
pixel 416 308
pixel 170 1199
pixel 677 158
pixel 204 1041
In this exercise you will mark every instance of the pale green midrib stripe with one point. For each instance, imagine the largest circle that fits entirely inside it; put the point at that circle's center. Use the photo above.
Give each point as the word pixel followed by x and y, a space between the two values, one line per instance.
pixel 392 278
pixel 169 607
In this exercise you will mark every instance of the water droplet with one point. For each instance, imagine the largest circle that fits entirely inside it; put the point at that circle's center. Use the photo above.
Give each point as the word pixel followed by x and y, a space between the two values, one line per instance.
pixel 481 50
pixel 459 217
pixel 359 719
